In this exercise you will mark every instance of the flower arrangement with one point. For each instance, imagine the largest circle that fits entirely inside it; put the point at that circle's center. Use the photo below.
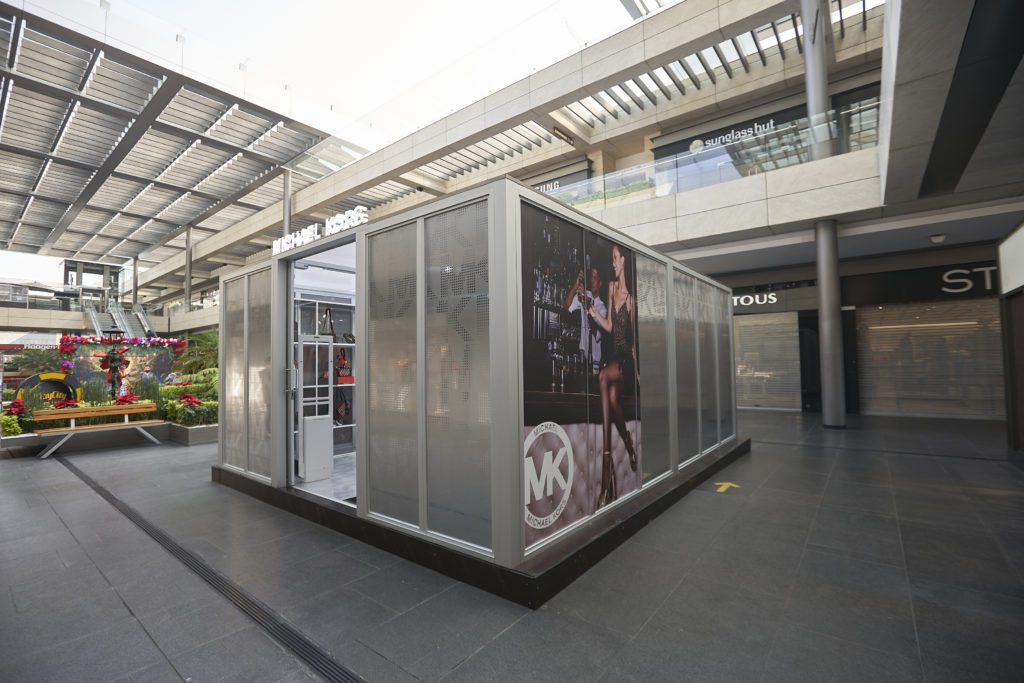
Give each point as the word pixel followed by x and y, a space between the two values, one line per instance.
pixel 65 403
pixel 15 408
pixel 127 399
pixel 182 384
pixel 189 400
pixel 69 344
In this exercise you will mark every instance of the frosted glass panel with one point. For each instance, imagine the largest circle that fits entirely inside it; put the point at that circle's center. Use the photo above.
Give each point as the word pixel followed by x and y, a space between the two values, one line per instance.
pixel 233 372
pixel 391 350
pixel 458 374
pixel 686 366
pixel 723 315
pixel 708 366
pixel 652 352
pixel 258 334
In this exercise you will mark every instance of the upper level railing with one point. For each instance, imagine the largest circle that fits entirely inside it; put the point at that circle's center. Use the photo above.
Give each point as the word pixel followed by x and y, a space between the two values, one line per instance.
pixel 852 129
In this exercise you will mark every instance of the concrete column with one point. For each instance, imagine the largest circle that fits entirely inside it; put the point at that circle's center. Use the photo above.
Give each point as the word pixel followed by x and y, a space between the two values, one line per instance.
pixel 188 268
pixel 830 326
pixel 135 280
pixel 818 54
pixel 286 201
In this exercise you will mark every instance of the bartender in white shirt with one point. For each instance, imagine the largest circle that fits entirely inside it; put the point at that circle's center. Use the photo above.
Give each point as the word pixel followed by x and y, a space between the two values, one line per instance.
pixel 578 298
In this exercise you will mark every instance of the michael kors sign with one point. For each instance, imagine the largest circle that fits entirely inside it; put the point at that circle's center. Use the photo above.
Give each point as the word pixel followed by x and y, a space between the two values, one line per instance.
pixel 334 225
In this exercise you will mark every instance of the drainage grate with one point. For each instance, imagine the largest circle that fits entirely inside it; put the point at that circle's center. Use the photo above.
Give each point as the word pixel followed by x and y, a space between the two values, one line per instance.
pixel 293 640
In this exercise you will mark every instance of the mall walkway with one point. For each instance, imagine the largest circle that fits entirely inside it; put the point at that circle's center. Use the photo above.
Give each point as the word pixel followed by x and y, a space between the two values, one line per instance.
pixel 827 563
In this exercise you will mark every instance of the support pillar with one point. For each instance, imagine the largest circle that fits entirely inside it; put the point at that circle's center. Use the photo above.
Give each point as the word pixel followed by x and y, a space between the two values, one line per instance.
pixel 188 268
pixel 286 201
pixel 830 326
pixel 817 26
pixel 135 280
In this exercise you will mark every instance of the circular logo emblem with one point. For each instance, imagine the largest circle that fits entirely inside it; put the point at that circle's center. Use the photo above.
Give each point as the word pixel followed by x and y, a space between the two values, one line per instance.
pixel 697 145
pixel 548 468
pixel 50 386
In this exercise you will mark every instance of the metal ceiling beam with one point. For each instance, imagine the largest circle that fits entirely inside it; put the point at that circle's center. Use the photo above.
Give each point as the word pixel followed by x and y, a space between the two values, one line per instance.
pixel 676 81
pixel 217 208
pixel 760 50
pixel 689 73
pixel 16 33
pixel 739 52
pixel 154 107
pixel 115 54
pixel 418 181
pixel 707 67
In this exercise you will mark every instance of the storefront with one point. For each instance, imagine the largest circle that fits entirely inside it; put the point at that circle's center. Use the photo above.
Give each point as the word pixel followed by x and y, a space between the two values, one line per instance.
pixel 917 342
pixel 491 374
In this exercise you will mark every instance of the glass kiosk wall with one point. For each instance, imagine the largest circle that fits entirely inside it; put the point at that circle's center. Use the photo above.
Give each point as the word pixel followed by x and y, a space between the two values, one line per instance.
pixel 520 371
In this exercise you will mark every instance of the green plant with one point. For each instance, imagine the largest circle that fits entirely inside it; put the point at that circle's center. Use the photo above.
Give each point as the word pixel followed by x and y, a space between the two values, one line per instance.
pixel 35 361
pixel 9 425
pixel 8 394
pixel 202 353
pixel 192 416
pixel 95 391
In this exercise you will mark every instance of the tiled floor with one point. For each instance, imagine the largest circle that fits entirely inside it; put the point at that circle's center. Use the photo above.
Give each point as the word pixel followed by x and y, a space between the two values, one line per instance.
pixel 839 558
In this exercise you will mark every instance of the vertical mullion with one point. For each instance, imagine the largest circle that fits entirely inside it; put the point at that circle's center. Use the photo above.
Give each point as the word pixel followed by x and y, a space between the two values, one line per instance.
pixel 421 370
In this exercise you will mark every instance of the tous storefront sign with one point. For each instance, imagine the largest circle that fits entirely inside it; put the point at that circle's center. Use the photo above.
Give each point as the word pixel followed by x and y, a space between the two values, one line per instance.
pixel 334 225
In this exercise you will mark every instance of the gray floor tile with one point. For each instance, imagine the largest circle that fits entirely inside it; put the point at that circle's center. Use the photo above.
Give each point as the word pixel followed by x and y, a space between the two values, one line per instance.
pixel 336 616
pixel 432 639
pixel 375 557
pixel 935 505
pixel 102 655
pixel 245 655
pixel 854 495
pixel 797 481
pixel 369 665
pixel 194 623
pixel 858 534
pixel 802 655
pixel 864 602
pixel 545 645
pixel 162 672
pixel 766 565
pixel 623 590
pixel 402 586
pixel 969 635
pixel 705 631
pixel 958 557
pixel 283 587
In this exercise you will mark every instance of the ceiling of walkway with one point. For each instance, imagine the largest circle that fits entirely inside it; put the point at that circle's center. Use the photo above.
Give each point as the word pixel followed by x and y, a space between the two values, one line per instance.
pixel 107 157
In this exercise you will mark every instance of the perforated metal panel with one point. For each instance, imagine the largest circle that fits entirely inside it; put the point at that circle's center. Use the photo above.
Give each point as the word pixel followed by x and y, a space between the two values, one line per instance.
pixel 942 358
pixel 723 320
pixel 708 349
pixel 652 311
pixel 258 334
pixel 233 372
pixel 768 360
pixel 687 413
pixel 393 468
pixel 458 391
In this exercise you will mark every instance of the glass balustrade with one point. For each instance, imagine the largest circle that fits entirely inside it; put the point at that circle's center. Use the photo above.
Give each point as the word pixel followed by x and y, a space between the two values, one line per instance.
pixel 852 129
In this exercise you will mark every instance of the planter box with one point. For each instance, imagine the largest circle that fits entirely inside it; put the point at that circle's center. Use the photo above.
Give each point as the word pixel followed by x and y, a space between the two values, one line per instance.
pixel 193 436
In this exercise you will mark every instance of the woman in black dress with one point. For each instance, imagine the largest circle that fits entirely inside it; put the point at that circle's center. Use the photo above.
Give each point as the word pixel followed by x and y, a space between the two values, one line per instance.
pixel 618 371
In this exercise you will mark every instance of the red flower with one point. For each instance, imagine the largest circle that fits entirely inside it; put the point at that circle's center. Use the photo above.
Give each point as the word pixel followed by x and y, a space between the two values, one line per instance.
pixel 189 400
pixel 182 384
pixel 15 407
pixel 65 403
pixel 126 399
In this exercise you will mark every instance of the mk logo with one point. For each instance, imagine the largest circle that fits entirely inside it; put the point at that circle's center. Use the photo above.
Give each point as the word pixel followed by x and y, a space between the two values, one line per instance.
pixel 542 484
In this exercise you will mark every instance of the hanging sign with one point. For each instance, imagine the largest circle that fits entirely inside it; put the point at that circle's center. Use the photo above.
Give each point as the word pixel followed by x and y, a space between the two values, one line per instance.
pixel 334 225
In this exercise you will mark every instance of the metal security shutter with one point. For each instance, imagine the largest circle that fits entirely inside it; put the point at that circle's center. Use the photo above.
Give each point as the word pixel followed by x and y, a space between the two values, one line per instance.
pixel 767 361
pixel 931 359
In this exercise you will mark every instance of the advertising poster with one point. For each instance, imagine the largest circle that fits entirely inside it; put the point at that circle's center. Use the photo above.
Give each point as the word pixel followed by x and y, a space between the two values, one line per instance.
pixel 581 432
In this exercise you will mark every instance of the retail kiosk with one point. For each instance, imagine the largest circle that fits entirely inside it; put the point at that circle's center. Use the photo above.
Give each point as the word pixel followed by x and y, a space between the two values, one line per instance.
pixel 489 383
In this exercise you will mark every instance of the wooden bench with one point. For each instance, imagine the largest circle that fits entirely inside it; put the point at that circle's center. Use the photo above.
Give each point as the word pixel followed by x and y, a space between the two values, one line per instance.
pixel 74 414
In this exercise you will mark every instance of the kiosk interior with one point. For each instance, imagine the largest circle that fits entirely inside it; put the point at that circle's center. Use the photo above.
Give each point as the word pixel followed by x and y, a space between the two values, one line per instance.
pixel 487 383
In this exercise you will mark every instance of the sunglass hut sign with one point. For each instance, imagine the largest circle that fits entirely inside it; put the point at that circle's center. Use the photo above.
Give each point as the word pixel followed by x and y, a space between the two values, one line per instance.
pixel 334 225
